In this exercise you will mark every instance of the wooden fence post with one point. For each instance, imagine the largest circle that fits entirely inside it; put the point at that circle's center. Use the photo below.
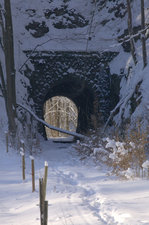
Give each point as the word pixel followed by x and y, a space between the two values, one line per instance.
pixel 45 180
pixel 41 200
pixel 22 146
pixel 23 163
pixel 33 173
pixel 42 194
pixel 45 212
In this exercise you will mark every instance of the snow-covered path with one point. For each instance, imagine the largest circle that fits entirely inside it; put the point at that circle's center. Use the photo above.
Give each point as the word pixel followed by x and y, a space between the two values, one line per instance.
pixel 68 188
pixel 78 191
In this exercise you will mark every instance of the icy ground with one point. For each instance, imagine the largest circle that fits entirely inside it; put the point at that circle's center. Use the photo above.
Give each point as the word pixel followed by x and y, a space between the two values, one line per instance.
pixel 78 191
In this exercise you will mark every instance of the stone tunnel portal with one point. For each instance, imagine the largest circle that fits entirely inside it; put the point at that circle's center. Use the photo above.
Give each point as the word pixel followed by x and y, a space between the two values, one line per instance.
pixel 83 77
pixel 81 95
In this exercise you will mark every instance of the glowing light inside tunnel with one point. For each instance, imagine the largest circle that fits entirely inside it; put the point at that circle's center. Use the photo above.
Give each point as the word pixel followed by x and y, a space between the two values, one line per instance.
pixel 60 112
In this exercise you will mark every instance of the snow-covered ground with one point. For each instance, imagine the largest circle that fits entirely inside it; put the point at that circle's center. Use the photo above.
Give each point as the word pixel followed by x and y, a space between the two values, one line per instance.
pixel 79 192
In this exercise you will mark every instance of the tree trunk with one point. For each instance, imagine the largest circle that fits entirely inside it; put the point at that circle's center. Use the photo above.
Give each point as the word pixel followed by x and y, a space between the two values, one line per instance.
pixel 144 53
pixel 130 30
pixel 2 77
pixel 10 68
pixel 2 27
pixel 3 86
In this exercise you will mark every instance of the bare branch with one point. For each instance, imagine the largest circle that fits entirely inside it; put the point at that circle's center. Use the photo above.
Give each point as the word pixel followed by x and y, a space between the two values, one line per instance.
pixel 127 38
pixel 50 126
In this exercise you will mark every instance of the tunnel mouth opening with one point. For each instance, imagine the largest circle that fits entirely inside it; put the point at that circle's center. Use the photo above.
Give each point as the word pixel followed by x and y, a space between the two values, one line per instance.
pixel 61 112
pixel 82 94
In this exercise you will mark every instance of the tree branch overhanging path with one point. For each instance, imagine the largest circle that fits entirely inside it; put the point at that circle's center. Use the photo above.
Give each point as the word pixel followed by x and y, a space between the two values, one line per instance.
pixel 50 126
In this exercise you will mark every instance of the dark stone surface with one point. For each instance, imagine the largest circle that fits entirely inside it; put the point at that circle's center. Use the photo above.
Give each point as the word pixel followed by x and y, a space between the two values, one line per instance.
pixel 119 9
pixel 37 29
pixel 115 88
pixel 82 77
pixel 64 17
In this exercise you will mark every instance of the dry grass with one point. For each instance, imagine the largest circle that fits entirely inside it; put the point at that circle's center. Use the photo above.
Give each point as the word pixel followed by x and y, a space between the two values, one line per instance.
pixel 123 154
pixel 129 154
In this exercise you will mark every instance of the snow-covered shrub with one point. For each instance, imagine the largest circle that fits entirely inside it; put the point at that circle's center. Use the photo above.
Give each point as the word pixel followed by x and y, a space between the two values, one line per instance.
pixel 93 146
pixel 127 157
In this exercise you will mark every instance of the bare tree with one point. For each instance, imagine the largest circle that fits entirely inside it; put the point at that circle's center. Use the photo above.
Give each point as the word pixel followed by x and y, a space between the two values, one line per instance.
pixel 144 53
pixel 8 86
pixel 60 112
pixel 130 30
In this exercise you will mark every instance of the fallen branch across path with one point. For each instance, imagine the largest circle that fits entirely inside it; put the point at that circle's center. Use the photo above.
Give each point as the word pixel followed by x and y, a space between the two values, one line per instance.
pixel 50 126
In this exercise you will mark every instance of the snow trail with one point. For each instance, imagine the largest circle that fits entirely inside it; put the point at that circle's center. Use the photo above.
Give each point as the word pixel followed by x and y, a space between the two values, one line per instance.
pixel 78 191
pixel 66 186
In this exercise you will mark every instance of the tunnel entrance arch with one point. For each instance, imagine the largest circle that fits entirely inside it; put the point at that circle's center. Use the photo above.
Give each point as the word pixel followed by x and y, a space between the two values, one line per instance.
pixel 60 112
pixel 78 92
pixel 83 77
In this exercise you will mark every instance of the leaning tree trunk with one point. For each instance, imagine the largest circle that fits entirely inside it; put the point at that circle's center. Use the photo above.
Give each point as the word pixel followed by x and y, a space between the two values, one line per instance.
pixel 130 30
pixel 10 68
pixel 2 77
pixel 144 53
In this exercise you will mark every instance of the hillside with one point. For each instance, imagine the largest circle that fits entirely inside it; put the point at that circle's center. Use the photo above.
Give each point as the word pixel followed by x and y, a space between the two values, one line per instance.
pixel 86 26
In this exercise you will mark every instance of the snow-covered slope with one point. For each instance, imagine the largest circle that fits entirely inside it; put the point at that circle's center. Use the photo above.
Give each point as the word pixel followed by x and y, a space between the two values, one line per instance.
pixel 69 25
pixel 78 191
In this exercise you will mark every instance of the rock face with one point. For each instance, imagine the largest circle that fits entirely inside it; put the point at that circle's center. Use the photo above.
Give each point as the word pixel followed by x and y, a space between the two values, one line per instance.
pixel 65 18
pixel 82 77
pixel 61 18
pixel 37 29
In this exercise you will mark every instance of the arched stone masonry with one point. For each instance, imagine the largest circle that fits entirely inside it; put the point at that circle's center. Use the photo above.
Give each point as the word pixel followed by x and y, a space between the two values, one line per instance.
pixel 83 77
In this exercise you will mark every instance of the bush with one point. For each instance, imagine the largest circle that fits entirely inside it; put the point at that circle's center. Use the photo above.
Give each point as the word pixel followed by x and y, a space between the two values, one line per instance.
pixel 127 156
pixel 93 146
